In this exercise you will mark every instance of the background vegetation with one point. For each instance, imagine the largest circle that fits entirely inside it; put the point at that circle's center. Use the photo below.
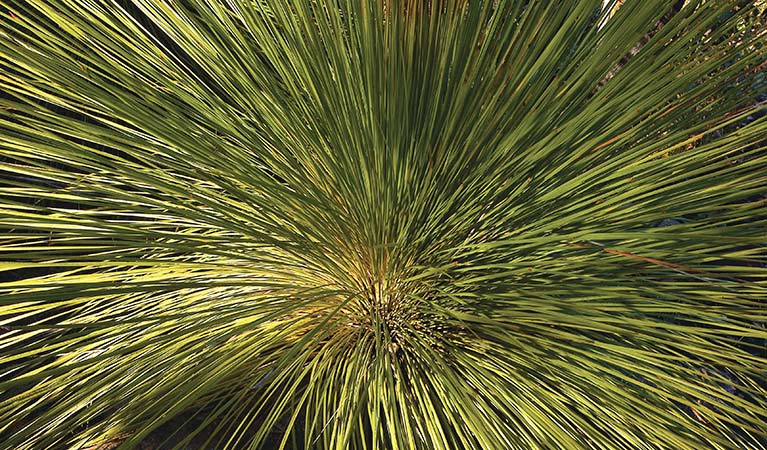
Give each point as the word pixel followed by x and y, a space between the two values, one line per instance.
pixel 399 224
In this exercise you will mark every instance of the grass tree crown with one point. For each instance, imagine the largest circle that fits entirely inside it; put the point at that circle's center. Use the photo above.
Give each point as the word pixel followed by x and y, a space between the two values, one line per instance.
pixel 383 224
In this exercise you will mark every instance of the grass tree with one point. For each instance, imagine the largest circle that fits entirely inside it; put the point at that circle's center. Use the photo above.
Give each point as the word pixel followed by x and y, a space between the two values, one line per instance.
pixel 383 224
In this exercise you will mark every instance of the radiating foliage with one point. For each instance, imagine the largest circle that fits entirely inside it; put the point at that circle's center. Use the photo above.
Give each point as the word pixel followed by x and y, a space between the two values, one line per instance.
pixel 383 224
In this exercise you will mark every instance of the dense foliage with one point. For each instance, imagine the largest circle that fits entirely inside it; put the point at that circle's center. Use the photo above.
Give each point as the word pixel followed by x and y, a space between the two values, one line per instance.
pixel 383 224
